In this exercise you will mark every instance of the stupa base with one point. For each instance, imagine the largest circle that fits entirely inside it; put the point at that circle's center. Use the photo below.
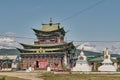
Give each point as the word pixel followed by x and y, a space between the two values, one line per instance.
pixel 107 68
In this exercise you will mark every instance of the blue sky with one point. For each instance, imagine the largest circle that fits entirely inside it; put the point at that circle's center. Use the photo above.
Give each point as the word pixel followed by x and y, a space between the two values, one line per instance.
pixel 99 23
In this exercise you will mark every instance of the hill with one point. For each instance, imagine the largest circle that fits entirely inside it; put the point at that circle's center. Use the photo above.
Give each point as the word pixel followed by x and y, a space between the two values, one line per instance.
pixel 91 53
pixel 9 51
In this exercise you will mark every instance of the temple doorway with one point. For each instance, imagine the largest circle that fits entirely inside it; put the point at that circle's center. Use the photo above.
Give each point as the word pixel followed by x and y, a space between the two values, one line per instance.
pixel 37 64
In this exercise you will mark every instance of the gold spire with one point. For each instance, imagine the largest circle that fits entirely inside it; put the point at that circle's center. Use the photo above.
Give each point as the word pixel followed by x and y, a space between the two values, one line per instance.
pixel 50 22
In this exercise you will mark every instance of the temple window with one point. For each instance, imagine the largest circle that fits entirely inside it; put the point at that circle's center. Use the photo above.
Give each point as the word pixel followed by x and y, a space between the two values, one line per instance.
pixel 47 41
pixel 43 56
pixel 31 56
pixel 51 56
pixel 40 56
pixel 42 40
pixel 23 56
pixel 47 56
pixel 55 56
pixel 26 56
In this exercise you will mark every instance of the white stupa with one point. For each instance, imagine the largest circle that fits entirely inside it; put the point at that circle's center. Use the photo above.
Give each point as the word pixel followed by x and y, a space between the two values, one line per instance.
pixel 107 63
pixel 81 63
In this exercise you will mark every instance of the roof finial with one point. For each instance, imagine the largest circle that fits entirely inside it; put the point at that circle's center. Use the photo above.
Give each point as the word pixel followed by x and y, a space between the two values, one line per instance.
pixel 50 21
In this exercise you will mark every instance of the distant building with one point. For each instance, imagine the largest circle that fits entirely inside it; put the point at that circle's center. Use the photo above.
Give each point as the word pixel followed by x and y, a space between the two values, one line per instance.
pixel 8 59
pixel 50 49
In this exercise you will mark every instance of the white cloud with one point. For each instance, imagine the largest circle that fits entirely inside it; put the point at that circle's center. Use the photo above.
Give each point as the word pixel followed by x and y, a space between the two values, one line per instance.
pixel 87 46
pixel 114 47
pixel 8 41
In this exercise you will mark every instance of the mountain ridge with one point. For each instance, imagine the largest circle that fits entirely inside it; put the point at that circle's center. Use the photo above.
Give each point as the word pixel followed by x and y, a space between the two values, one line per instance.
pixel 9 51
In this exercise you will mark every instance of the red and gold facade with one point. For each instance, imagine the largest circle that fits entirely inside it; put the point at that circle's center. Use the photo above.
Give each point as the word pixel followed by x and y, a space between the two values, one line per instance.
pixel 50 49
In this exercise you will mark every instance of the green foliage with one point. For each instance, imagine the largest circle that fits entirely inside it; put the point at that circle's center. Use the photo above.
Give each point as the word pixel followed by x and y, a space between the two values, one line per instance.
pixel 118 62
pixel 118 69
pixel 18 65
pixel 64 67
pixel 3 78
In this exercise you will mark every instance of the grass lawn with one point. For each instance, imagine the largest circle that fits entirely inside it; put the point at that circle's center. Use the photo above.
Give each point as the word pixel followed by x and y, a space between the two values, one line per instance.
pixel 10 78
pixel 52 76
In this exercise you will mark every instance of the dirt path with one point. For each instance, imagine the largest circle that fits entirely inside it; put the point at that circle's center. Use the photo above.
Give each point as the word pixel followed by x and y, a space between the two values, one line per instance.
pixel 24 75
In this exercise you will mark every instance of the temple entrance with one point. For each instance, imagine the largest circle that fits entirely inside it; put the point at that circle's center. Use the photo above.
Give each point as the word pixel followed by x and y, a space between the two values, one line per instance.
pixel 41 64
pixel 37 64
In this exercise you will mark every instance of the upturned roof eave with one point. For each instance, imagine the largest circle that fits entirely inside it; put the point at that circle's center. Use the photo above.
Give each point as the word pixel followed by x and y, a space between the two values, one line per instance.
pixel 36 30
pixel 43 49
pixel 43 45
pixel 44 53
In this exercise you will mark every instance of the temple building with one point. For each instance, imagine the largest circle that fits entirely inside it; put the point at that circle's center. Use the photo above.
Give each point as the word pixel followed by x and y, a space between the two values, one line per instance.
pixel 50 49
pixel 8 59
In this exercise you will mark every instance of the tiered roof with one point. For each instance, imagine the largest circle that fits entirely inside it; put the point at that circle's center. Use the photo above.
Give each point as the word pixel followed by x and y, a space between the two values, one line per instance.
pixel 46 47
pixel 48 30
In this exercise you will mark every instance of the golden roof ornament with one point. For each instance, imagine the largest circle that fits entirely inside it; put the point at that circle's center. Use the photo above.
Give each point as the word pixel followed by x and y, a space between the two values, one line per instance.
pixel 50 21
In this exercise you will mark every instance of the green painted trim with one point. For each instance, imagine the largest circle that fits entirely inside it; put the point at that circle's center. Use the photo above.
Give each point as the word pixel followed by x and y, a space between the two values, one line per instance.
pixel 44 53
pixel 50 45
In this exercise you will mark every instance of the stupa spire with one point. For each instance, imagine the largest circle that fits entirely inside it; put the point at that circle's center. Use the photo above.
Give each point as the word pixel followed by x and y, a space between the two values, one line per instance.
pixel 106 54
pixel 82 53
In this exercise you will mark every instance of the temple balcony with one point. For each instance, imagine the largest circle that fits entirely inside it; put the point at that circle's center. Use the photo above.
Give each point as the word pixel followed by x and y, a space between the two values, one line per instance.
pixel 36 42
pixel 52 42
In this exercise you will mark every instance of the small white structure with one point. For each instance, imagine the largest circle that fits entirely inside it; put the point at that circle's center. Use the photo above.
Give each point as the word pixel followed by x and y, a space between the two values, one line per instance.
pixel 65 60
pixel 29 69
pixel 81 63
pixel 107 63
pixel 48 69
